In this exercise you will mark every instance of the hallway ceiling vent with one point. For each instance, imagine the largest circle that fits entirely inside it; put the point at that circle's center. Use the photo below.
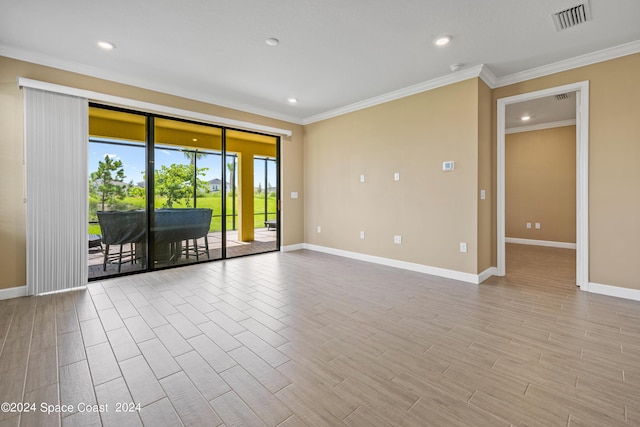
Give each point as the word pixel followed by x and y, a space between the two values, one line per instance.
pixel 572 16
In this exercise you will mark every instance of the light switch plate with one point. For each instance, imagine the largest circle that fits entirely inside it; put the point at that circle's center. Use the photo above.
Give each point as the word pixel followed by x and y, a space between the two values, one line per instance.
pixel 361 178
pixel 362 235
pixel 448 166
pixel 396 176
pixel 463 247
pixel 294 194
pixel 397 239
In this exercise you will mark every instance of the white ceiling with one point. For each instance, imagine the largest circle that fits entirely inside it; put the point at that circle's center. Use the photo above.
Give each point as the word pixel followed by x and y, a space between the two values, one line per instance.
pixel 542 110
pixel 332 53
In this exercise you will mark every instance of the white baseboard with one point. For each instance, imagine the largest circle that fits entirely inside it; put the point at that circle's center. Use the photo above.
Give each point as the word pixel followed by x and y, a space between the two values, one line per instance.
pixel 613 291
pixel 17 292
pixel 290 248
pixel 420 268
pixel 491 271
pixel 549 243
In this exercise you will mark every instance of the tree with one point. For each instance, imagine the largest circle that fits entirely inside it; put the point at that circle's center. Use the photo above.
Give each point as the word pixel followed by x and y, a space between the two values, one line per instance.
pixel 176 183
pixel 107 182
pixel 259 191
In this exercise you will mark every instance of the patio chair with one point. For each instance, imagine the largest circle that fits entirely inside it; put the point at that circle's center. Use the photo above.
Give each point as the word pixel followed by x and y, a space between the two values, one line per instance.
pixel 199 221
pixel 122 228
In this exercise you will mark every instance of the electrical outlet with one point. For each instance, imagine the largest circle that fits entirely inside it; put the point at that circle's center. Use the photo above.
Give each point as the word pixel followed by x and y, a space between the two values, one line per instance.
pixel 463 247
pixel 362 235
pixel 319 229
pixel 294 194
pixel 529 225
pixel 361 178
pixel 397 240
pixel 396 176
pixel 537 226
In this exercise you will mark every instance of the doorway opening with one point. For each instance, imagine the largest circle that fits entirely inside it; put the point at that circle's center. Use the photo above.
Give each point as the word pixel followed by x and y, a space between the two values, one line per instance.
pixel 581 91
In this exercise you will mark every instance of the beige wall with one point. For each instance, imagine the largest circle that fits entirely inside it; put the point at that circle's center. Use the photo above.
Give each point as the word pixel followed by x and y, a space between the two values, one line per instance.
pixel 433 210
pixel 614 156
pixel 540 184
pixel 486 160
pixel 12 208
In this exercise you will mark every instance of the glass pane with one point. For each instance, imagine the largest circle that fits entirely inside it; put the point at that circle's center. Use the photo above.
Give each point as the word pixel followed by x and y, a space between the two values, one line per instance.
pixel 187 177
pixel 117 199
pixel 252 227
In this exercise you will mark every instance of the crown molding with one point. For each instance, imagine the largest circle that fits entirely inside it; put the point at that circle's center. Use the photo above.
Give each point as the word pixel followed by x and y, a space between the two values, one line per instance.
pixel 540 126
pixel 96 72
pixel 488 77
pixel 397 94
pixel 571 63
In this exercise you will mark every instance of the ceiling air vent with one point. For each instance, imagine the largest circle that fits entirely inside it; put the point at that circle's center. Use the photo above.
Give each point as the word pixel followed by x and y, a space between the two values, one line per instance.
pixel 571 17
pixel 562 96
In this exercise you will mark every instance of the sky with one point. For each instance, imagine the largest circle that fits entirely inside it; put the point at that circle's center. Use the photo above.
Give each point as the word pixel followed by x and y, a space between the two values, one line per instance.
pixel 133 162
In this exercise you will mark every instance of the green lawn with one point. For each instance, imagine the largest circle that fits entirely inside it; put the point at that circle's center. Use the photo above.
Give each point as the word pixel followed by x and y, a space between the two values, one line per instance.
pixel 213 201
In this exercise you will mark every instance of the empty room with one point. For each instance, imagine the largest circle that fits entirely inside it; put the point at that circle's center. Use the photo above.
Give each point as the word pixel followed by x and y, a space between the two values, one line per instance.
pixel 309 213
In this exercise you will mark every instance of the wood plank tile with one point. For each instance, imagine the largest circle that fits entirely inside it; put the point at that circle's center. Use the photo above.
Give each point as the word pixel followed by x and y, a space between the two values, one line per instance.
pixel 159 359
pixel 92 332
pixel 271 379
pixel 160 413
pixel 120 410
pixel 110 319
pixel 152 316
pixel 309 413
pixel 143 385
pixel 183 325
pixel 225 322
pixel 102 363
pixel 139 329
pixel 122 344
pixel 264 332
pixel 47 395
pixel 76 386
pixel 219 336
pixel 234 412
pixel 192 409
pixel 362 417
pixel 42 370
pixel 202 375
pixel 269 353
pixel 172 340
pixel 12 388
pixel 259 399
pixel 214 355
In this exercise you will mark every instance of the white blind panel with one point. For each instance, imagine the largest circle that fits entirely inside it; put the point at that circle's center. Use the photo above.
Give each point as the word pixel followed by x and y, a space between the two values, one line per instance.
pixel 56 132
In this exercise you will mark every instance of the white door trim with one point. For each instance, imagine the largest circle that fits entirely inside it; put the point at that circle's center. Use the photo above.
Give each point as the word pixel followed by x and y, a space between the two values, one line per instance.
pixel 582 174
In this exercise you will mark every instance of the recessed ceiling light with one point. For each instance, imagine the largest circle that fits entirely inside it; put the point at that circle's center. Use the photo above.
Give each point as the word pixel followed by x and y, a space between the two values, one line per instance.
pixel 106 45
pixel 525 118
pixel 442 41
pixel 272 41
pixel 455 67
pixel 293 100
pixel 195 139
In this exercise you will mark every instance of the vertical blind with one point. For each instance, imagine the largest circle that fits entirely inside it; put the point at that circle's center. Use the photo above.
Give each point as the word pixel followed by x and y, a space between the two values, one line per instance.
pixel 56 132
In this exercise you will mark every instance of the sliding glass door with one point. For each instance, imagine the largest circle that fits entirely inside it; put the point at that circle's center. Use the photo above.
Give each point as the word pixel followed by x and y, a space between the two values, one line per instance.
pixel 117 231
pixel 178 192
pixel 252 194
pixel 187 216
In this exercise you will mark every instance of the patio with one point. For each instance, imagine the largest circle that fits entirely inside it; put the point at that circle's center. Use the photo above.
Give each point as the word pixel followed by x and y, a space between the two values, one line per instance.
pixel 264 241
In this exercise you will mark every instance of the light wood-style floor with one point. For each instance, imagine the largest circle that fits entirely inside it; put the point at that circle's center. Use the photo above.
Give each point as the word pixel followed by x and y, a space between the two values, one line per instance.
pixel 304 338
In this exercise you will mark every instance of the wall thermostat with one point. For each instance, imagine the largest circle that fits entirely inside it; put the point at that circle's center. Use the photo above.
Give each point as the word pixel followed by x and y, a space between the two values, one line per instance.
pixel 447 166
